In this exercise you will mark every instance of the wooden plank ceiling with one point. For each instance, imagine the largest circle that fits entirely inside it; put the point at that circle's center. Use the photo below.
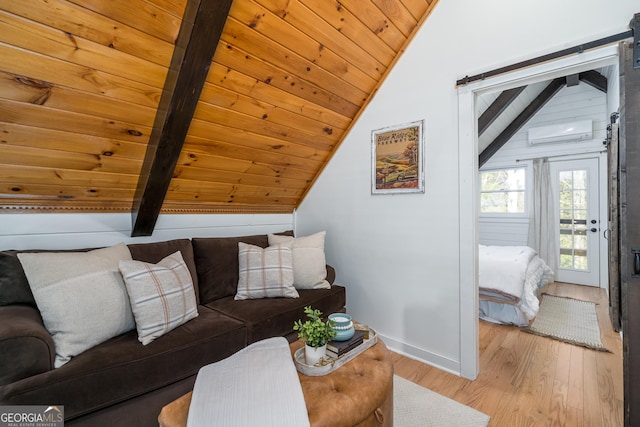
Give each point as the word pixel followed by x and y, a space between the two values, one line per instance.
pixel 81 82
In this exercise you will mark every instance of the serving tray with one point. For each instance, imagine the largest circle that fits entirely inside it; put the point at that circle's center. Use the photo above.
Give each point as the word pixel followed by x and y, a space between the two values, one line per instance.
pixel 328 364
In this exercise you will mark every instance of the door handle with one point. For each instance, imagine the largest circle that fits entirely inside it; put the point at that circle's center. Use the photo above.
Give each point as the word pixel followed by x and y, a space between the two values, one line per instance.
pixel 636 261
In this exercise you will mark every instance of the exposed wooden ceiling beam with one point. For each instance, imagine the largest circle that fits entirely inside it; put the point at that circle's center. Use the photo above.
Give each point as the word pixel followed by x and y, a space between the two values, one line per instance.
pixel 522 118
pixel 496 108
pixel 196 44
pixel 595 79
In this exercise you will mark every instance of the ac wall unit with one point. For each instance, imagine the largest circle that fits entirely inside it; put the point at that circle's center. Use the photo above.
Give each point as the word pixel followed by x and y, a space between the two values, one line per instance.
pixel 571 131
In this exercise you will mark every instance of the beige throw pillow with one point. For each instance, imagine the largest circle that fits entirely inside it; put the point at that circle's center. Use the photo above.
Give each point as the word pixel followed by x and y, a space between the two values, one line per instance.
pixel 81 297
pixel 309 262
pixel 265 273
pixel 161 295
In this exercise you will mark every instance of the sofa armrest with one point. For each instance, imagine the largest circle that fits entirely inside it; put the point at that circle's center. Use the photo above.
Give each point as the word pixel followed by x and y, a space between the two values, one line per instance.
pixel 331 274
pixel 26 348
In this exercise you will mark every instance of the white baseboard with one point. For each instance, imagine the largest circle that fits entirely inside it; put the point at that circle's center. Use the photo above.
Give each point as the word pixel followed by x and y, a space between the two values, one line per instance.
pixel 421 355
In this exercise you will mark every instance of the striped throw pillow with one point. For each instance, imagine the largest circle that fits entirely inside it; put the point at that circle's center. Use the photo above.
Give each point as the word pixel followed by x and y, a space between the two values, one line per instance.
pixel 161 295
pixel 265 273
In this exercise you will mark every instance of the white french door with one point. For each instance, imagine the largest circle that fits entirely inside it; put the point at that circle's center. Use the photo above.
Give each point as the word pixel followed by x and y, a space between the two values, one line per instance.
pixel 576 192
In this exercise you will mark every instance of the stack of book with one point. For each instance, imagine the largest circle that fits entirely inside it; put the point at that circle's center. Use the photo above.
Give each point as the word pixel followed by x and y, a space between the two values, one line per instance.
pixel 336 349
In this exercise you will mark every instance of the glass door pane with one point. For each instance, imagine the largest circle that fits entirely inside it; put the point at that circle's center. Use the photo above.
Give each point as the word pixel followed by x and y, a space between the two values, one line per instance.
pixel 573 205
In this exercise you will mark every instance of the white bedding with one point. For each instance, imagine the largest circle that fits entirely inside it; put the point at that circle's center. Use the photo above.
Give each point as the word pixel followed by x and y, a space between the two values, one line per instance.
pixel 510 279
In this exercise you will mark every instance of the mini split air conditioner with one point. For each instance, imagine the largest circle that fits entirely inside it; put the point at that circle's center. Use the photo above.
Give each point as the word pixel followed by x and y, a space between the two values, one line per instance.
pixel 572 131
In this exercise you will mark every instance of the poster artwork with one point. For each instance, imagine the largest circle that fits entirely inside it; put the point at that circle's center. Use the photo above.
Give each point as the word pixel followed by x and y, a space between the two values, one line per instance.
pixel 398 159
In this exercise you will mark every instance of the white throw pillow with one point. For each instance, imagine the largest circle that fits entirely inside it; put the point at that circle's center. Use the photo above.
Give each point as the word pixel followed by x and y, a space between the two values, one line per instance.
pixel 81 297
pixel 161 295
pixel 309 262
pixel 265 273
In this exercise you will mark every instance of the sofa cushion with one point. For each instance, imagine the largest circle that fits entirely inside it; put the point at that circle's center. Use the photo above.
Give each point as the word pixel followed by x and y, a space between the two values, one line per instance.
pixel 161 295
pixel 155 251
pixel 265 272
pixel 309 262
pixel 121 368
pixel 276 317
pixel 14 286
pixel 217 264
pixel 81 297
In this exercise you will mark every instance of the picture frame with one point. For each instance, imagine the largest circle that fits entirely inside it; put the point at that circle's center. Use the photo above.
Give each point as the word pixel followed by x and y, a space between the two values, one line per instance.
pixel 397 159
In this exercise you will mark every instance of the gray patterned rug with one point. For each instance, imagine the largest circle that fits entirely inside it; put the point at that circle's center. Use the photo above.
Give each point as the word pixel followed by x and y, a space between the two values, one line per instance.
pixel 416 406
pixel 569 320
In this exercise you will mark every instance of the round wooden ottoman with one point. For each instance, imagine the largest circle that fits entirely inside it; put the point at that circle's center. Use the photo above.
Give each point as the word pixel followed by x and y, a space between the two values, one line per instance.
pixel 359 393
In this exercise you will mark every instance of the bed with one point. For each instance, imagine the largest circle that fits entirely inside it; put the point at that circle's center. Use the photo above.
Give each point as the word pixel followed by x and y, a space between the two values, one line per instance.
pixel 510 278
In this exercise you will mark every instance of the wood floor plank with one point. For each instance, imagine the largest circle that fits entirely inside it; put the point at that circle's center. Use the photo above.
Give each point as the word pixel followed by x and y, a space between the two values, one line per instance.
pixel 528 380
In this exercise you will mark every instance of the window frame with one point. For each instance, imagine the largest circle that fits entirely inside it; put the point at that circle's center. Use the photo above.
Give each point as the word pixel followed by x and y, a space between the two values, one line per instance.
pixel 527 192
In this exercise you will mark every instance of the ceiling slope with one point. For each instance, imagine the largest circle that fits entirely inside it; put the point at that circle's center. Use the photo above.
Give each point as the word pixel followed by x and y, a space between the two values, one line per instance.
pixel 81 83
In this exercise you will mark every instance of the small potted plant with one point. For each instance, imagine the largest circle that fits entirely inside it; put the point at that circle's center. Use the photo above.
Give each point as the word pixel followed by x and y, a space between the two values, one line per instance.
pixel 315 333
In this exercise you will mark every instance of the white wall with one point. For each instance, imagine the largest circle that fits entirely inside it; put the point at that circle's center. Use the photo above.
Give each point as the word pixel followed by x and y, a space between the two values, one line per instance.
pixel 399 256
pixel 72 231
pixel 573 103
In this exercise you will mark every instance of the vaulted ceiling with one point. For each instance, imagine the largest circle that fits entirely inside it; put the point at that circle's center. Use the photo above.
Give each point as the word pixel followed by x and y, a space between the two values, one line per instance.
pixel 81 82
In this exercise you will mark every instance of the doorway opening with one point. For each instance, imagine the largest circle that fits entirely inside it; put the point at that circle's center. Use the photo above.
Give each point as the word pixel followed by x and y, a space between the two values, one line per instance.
pixel 468 98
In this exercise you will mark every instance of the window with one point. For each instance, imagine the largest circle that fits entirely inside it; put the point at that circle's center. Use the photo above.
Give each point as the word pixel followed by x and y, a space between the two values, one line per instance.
pixel 502 191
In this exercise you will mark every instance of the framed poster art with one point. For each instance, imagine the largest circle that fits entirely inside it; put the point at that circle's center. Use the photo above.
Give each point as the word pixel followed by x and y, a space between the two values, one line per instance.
pixel 397 154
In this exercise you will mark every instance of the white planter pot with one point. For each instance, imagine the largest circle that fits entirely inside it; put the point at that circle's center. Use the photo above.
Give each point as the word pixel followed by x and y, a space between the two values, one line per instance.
pixel 312 355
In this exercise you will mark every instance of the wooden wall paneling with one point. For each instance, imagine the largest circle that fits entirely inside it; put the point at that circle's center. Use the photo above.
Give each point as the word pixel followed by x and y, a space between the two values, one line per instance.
pixel 34 137
pixel 23 89
pixel 86 193
pixel 376 21
pixel 47 41
pixel 50 118
pixel 399 15
pixel 73 177
pixel 213 190
pixel 194 173
pixel 229 152
pixel 221 97
pixel 84 23
pixel 196 166
pixel 322 43
pixel 250 41
pixel 174 7
pixel 244 138
pixel 350 25
pixel 254 89
pixel 323 141
pixel 138 14
pixel 244 62
pixel 231 194
pixel 12 155
pixel 39 67
pixel 416 8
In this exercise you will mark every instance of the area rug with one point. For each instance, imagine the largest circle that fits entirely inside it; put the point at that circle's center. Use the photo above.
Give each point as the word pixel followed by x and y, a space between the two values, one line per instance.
pixel 569 320
pixel 416 406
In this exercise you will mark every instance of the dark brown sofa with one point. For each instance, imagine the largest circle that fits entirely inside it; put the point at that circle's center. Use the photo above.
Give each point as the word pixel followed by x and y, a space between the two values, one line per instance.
pixel 120 382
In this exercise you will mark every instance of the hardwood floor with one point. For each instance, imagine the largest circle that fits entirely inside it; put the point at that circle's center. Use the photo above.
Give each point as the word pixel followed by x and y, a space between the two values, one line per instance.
pixel 528 380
